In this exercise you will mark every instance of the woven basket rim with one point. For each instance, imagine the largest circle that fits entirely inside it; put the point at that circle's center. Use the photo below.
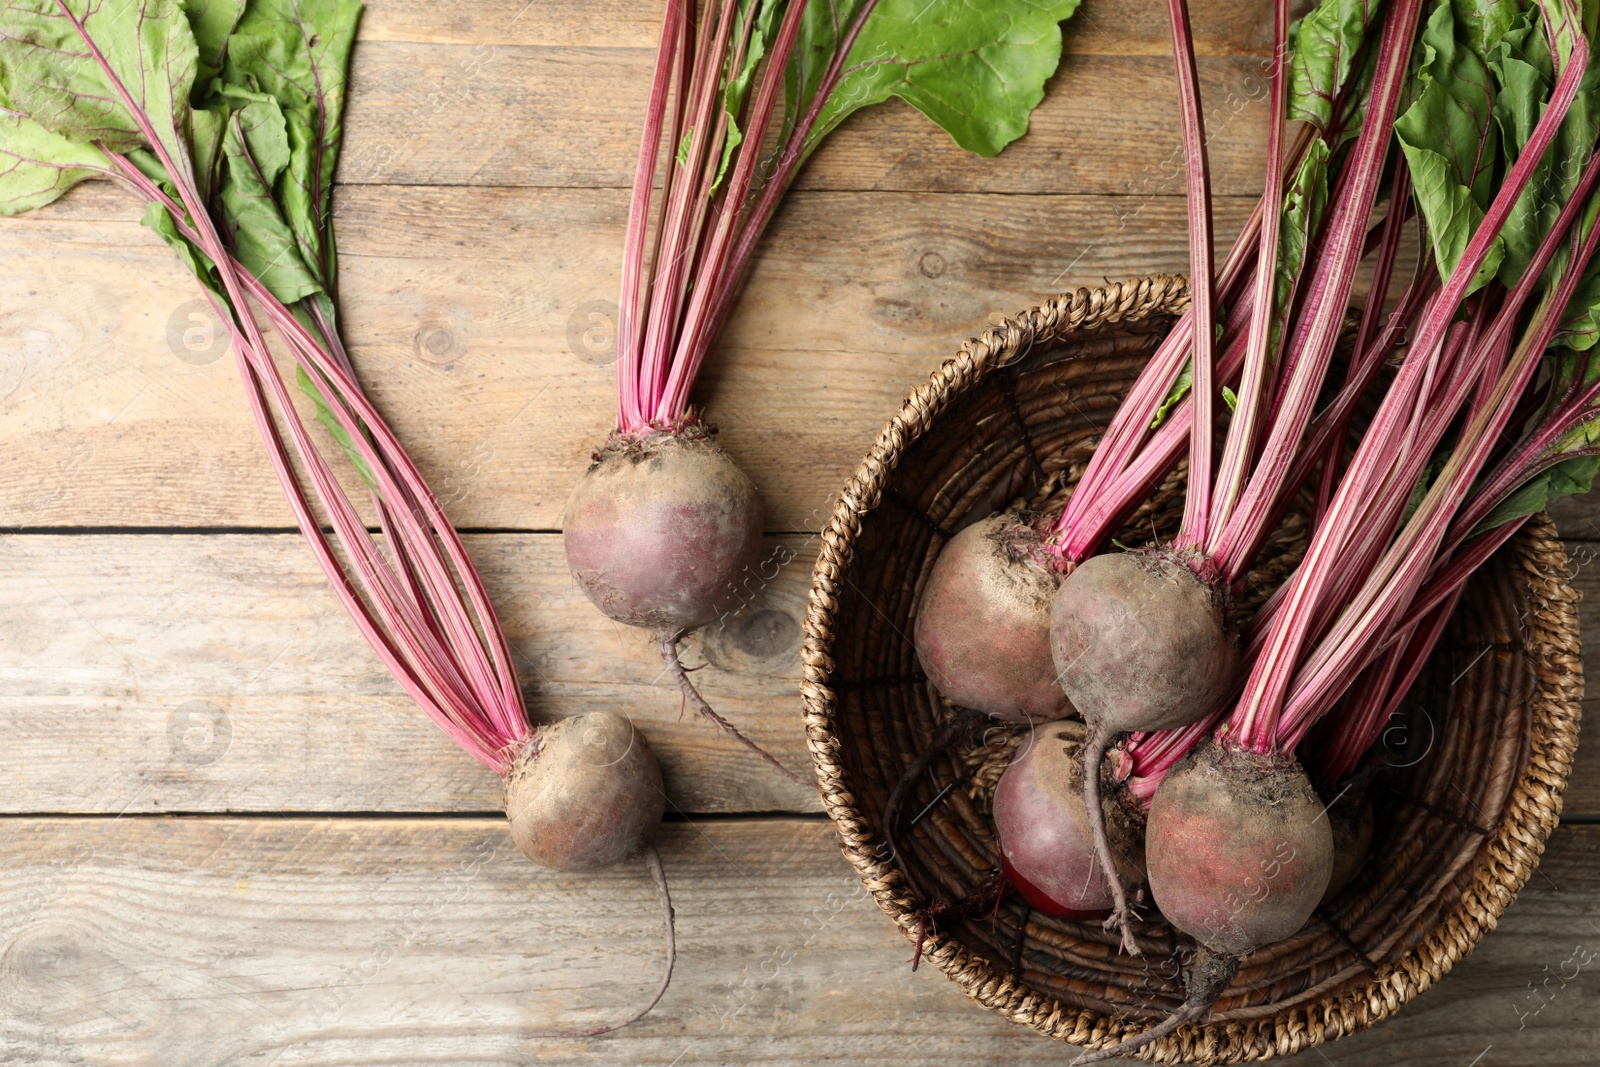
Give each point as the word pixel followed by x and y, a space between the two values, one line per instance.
pixel 1532 810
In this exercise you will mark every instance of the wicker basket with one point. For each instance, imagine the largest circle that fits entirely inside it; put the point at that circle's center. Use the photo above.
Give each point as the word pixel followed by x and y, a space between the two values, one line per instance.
pixel 1461 821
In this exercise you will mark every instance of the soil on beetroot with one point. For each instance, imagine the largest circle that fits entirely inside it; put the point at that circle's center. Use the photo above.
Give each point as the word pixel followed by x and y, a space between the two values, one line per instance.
pixel 1141 643
pixel 1238 848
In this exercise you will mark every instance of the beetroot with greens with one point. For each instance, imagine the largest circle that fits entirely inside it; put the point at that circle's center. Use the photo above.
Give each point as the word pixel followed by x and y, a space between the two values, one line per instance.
pixel 1489 413
pixel 663 527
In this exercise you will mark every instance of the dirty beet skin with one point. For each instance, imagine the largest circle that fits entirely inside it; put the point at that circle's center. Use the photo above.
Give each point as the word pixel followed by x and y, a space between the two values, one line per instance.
pixel 662 529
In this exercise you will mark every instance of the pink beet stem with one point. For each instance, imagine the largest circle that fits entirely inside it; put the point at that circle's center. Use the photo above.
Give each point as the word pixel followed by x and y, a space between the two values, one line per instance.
pixel 1311 342
pixel 677 292
pixel 1256 719
pixel 1240 444
pixel 440 690
pixel 1197 499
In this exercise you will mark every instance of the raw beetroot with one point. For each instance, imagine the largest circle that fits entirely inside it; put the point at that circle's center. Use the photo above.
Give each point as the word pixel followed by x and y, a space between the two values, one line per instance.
pixel 1139 642
pixel 585 793
pixel 1047 846
pixel 1239 856
pixel 659 533
pixel 661 528
pixel 1238 849
pixel 1160 652
pixel 1350 821
pixel 982 629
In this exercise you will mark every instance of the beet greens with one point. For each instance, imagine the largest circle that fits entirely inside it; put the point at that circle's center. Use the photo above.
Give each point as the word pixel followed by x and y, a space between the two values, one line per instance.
pixel 225 123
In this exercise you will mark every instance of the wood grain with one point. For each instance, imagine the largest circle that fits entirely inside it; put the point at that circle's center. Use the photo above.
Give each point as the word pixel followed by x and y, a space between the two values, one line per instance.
pixel 217 673
pixel 479 322
pixel 411 941
pixel 496 115
pixel 1099 27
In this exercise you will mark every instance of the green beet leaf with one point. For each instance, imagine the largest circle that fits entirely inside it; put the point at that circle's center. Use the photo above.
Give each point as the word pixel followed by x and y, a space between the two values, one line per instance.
pixel 212 21
pixel 1175 395
pixel 331 424
pixel 1580 325
pixel 298 51
pixel 1485 23
pixel 1324 47
pixel 51 78
pixel 1450 142
pixel 977 70
pixel 1575 475
pixel 1521 66
pixel 256 147
pixel 194 258
pixel 1303 208
pixel 38 165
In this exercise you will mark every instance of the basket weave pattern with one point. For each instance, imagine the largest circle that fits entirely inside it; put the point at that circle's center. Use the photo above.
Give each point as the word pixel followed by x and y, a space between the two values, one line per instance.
pixel 1461 824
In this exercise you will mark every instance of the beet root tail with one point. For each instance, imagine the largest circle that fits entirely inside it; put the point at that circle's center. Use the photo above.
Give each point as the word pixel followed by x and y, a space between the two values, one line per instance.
pixel 1122 913
pixel 1204 981
pixel 653 860
pixel 1187 1013
pixel 668 640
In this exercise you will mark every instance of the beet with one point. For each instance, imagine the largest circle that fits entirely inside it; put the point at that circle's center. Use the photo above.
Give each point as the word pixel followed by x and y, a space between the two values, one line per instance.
pixel 663 532
pixel 1141 643
pixel 1238 848
pixel 584 793
pixel 1239 854
pixel 662 529
pixel 1046 841
pixel 983 627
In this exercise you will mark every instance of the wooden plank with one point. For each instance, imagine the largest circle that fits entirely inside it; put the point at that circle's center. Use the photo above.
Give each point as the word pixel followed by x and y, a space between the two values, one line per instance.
pixel 471 314
pixel 411 942
pixel 312 942
pixel 486 114
pixel 1099 27
pixel 218 673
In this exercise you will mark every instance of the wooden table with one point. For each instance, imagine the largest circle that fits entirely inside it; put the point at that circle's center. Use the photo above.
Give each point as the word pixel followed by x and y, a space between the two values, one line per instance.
pixel 228 836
